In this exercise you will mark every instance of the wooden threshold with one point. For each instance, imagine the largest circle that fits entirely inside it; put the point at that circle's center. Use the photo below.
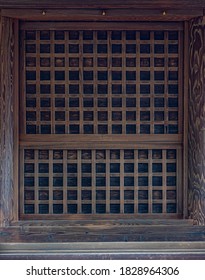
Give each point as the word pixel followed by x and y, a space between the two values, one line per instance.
pixel 123 239
pixel 122 231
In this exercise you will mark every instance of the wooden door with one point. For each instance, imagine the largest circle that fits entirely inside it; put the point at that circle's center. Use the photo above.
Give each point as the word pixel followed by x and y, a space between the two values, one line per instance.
pixel 101 120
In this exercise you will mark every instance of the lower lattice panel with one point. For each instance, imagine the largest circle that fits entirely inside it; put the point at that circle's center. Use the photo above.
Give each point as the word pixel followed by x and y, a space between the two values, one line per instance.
pixel 114 181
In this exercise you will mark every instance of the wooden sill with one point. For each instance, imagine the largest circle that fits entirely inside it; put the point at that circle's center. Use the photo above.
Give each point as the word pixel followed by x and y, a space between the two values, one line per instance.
pixel 122 239
pixel 102 231
pixel 98 250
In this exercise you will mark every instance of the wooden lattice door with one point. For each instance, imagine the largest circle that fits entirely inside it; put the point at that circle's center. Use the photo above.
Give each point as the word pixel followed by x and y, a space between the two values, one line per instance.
pixel 101 121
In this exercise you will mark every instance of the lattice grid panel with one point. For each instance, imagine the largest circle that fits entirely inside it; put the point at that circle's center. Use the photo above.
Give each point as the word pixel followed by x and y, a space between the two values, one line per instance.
pixel 112 181
pixel 101 82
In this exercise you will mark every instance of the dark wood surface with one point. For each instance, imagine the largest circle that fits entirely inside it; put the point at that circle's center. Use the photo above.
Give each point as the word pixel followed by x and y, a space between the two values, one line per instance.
pixel 126 233
pixel 7 58
pixel 103 3
pixel 93 10
pixel 105 251
pixel 99 14
pixel 196 123
pixel 114 240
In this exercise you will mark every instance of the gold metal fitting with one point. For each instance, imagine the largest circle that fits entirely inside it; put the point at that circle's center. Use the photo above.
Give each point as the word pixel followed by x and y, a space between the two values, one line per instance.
pixel 43 13
pixel 164 13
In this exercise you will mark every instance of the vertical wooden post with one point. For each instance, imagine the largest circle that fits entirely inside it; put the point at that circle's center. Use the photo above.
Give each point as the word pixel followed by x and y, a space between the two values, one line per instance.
pixel 196 129
pixel 7 80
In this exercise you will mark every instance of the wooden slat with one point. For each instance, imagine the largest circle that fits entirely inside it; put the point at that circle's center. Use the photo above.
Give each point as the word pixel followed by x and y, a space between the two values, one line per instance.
pixel 26 25
pixel 93 180
pixel 185 119
pixel 164 182
pixel 107 182
pixel 182 192
pixel 50 176
pixel 98 216
pixel 138 81
pixel 95 67
pixel 22 97
pixel 109 57
pixel 79 178
pixel 166 68
pixel 81 81
pixel 52 79
pixel 36 182
pixel 8 67
pixel 150 187
pixel 123 69
pixel 122 188
pixel 16 124
pixel 21 181
pixel 153 138
pixel 65 189
pixel 66 45
pixel 152 81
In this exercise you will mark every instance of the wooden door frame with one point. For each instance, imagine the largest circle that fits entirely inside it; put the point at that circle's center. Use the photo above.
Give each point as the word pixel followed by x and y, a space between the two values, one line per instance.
pixel 15 87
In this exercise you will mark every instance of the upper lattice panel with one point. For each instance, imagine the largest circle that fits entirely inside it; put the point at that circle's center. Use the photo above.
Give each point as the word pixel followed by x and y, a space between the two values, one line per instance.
pixel 101 82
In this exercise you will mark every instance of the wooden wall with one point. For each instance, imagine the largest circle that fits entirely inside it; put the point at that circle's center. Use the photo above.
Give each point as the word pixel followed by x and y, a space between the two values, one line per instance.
pixel 6 119
pixel 196 135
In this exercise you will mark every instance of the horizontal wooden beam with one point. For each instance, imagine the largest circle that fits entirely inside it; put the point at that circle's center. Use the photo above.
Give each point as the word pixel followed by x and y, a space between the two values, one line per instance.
pixel 167 26
pixel 113 248
pixel 103 14
pixel 98 141
pixel 99 223
pixel 32 217
pixel 102 3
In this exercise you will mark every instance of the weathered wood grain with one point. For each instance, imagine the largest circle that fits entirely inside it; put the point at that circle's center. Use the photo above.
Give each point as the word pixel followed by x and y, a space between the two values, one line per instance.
pixel 103 3
pixel 6 119
pixel 107 233
pixel 104 251
pixel 98 14
pixel 197 122
pixel 69 25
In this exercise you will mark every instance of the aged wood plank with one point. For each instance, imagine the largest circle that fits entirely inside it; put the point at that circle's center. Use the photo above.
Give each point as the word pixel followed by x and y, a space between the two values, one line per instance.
pixel 104 251
pixel 103 234
pixel 130 14
pixel 141 138
pixel 185 122
pixel 106 223
pixel 7 79
pixel 137 247
pixel 84 217
pixel 102 4
pixel 196 136
pixel 27 25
